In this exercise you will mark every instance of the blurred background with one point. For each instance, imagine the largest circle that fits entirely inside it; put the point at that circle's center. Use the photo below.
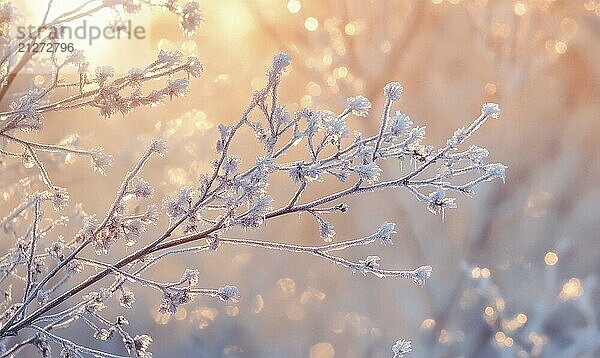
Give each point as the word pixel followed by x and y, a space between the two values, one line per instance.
pixel 515 268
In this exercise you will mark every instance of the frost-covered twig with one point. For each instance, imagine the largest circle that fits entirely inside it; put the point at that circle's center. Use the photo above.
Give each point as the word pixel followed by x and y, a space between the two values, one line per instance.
pixel 232 195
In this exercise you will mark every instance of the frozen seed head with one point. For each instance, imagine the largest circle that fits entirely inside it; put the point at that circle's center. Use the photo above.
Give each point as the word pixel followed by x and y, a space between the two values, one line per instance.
pixel 179 206
pixel 56 249
pixel 141 345
pixel 422 274
pixel 102 334
pixel 127 299
pixel 159 146
pixel 90 225
pixel 371 262
pixel 191 277
pixel 60 198
pixel 437 201
pixel 369 172
pixel 385 232
pixel 401 347
pixel 359 106
pixel 392 91
pixel 103 73
pixel 142 189
pixel 229 293
pixel 194 66
pixel 191 17
pixel 100 161
pixel 490 110
pixel 326 231
pixel 400 124
pixel 477 154
pixel 496 170
pixel 176 88
pixel 281 61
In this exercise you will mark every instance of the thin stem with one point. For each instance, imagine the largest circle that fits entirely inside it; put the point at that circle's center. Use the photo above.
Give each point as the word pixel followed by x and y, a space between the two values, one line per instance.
pixel 34 238
pixel 384 117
